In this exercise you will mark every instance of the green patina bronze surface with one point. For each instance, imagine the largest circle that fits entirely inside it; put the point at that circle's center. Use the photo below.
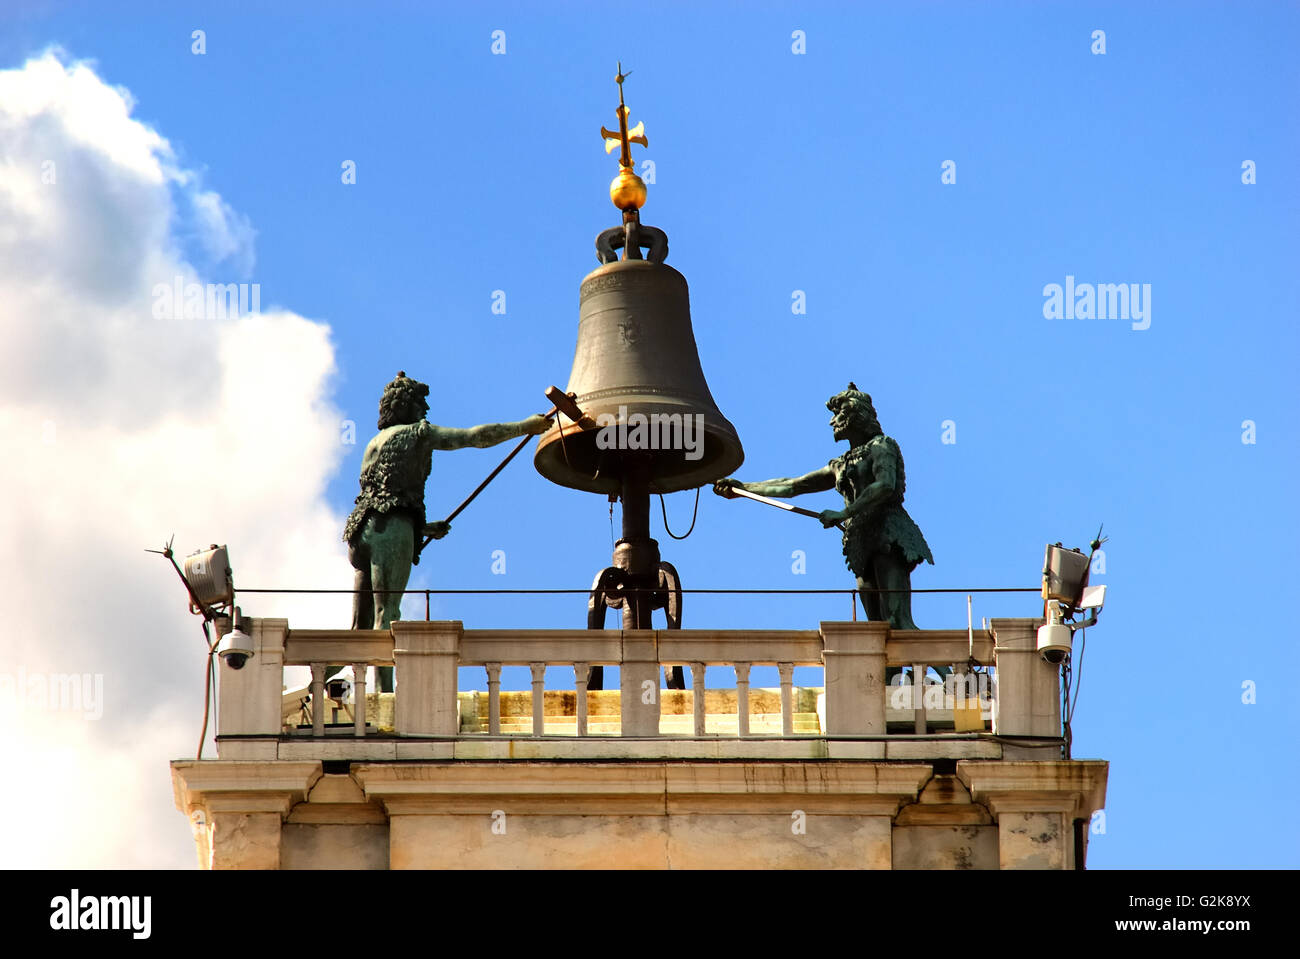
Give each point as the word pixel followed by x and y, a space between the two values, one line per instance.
pixel 882 545
pixel 387 526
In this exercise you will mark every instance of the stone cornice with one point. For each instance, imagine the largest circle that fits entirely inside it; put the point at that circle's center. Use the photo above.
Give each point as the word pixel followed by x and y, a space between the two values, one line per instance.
pixel 218 785
pixel 1076 788
pixel 643 788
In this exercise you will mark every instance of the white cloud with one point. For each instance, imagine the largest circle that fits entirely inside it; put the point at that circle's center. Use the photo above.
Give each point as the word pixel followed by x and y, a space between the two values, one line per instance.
pixel 226 234
pixel 118 430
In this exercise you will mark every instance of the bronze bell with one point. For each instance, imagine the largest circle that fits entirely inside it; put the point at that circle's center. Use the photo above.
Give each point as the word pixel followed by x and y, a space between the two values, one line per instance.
pixel 636 372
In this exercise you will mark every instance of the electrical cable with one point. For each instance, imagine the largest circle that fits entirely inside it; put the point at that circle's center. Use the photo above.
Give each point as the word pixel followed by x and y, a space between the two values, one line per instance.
pixel 1078 685
pixel 694 514
pixel 209 681
pixel 1067 674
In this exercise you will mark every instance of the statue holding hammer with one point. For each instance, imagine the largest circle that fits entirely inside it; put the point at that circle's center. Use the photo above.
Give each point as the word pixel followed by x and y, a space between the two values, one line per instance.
pixel 387 528
pixel 882 544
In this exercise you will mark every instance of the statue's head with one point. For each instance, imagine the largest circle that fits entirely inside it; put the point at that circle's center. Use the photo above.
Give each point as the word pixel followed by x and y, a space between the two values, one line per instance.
pixel 853 415
pixel 403 402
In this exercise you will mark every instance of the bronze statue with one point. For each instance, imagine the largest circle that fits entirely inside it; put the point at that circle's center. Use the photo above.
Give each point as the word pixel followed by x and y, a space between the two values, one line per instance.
pixel 882 545
pixel 386 530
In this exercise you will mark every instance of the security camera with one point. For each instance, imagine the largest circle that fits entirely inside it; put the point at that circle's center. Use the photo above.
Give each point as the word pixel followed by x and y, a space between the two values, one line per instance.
pixel 1055 637
pixel 339 687
pixel 294 701
pixel 236 647
pixel 1054 642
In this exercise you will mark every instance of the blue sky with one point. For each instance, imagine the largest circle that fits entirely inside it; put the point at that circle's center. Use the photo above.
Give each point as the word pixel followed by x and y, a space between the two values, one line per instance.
pixel 820 172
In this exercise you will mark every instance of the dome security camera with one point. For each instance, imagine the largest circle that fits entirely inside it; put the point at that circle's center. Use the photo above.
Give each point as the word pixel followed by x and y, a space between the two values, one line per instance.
pixel 338 687
pixel 1054 642
pixel 236 647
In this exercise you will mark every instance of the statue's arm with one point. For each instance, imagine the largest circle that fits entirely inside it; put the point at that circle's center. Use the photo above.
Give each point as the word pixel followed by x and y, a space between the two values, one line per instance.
pixel 489 434
pixel 785 487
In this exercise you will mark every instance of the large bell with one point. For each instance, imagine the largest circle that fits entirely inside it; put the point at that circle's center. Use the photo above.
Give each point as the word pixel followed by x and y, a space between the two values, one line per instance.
pixel 636 371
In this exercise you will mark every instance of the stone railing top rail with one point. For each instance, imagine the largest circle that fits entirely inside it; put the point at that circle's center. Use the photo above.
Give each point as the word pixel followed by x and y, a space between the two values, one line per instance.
pixel 562 647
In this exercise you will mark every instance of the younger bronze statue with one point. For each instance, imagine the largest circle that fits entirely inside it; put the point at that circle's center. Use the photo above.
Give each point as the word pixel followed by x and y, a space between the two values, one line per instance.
pixel 882 545
pixel 387 527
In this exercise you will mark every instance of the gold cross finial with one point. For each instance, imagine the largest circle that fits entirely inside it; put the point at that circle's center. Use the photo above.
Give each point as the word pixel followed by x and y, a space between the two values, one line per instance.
pixel 627 190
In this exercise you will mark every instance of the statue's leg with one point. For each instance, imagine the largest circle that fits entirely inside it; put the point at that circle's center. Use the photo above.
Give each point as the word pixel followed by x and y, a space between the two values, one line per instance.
pixel 876 611
pixel 363 604
pixel 871 604
pixel 894 576
pixel 391 540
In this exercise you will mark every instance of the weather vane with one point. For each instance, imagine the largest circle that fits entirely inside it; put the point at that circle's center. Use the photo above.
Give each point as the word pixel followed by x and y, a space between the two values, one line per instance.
pixel 627 190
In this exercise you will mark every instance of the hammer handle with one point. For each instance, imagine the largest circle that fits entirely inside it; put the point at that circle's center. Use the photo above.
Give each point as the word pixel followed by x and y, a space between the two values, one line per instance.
pixel 490 477
pixel 733 492
pixel 564 403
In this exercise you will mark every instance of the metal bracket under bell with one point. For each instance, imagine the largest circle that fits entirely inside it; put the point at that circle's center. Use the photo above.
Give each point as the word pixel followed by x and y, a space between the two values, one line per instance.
pixel 607 593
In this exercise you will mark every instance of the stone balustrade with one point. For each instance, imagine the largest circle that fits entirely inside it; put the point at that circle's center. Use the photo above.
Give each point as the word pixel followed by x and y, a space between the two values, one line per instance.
pixel 434 776
pixel 855 710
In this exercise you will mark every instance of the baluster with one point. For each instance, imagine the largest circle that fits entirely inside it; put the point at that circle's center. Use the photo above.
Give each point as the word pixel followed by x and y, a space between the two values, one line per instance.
pixel 787 703
pixel 494 698
pixel 581 675
pixel 697 696
pixel 918 698
pixel 965 696
pixel 358 699
pixel 742 699
pixel 539 697
pixel 318 699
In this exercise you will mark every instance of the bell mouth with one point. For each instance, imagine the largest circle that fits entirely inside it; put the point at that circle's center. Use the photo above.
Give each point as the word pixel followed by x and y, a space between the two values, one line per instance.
pixel 685 450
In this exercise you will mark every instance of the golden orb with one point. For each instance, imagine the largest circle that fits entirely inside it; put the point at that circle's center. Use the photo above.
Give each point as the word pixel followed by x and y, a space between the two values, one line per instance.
pixel 627 190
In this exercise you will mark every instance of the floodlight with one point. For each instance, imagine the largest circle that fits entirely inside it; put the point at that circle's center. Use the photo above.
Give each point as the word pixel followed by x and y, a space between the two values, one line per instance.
pixel 1065 574
pixel 1065 593
pixel 208 575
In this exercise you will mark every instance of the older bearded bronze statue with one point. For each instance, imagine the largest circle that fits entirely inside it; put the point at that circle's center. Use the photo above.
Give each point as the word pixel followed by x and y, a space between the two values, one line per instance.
pixel 882 545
